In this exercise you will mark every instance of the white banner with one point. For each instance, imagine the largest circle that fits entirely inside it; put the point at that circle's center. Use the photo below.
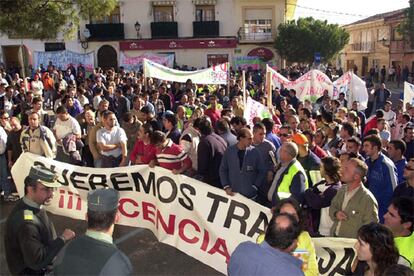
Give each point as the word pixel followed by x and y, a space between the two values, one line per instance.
pixel 135 63
pixel 277 79
pixel 218 74
pixel 309 86
pixel 62 59
pixel 354 89
pixel 255 109
pixel 194 217
pixel 408 94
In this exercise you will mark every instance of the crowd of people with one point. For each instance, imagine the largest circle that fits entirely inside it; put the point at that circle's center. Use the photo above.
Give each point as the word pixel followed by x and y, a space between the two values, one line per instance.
pixel 347 170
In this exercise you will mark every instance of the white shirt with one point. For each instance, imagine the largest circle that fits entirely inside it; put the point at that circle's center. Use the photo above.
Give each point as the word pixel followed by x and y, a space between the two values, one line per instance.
pixel 63 128
pixel 115 136
pixel 3 140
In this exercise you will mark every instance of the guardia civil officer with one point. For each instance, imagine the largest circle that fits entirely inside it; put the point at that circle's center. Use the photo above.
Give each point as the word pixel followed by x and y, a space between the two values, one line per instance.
pixel 30 240
pixel 94 253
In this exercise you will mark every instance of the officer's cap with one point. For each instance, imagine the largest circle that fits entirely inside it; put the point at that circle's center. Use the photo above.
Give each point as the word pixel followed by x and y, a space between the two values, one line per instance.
pixel 103 200
pixel 44 176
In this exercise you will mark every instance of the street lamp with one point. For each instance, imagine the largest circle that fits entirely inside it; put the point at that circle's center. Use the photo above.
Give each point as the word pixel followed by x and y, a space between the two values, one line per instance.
pixel 138 28
pixel 86 35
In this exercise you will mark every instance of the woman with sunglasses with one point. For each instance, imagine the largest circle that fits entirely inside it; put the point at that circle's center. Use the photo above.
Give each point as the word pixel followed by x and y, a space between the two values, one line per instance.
pixel 375 250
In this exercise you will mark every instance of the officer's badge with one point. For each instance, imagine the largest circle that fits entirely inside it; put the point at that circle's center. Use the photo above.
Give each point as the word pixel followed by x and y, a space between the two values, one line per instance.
pixel 28 215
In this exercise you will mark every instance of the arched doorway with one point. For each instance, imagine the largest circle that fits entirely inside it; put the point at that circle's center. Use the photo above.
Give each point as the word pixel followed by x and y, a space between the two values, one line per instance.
pixel 107 57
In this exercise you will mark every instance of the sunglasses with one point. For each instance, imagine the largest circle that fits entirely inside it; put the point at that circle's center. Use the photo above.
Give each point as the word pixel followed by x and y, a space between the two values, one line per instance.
pixel 284 134
pixel 408 168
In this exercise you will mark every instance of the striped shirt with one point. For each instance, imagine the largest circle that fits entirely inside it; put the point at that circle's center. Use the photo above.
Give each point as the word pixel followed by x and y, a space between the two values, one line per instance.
pixel 172 156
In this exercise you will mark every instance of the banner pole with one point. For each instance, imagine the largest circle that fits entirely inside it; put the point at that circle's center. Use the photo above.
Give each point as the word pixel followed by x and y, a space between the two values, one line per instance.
pixel 244 87
pixel 228 79
pixel 144 76
pixel 269 88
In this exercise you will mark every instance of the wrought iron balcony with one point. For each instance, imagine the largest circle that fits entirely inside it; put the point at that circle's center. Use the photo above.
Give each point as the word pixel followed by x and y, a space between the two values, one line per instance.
pixel 164 30
pixel 206 29
pixel 256 34
pixel 106 31
pixel 363 47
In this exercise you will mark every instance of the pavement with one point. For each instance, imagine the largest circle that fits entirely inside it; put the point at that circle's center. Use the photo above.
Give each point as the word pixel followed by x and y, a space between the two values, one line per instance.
pixel 147 255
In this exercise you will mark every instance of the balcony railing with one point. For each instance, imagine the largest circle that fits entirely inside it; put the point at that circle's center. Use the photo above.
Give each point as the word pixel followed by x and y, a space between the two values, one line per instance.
pixel 206 29
pixel 363 47
pixel 106 31
pixel 164 29
pixel 256 34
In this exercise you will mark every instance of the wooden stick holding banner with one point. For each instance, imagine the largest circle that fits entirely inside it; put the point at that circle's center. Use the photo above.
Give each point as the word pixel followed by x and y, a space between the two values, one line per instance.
pixel 269 88
pixel 244 87
pixel 228 78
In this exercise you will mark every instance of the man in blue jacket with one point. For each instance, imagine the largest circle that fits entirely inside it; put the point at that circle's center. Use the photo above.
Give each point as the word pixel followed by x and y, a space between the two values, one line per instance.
pixel 242 170
pixel 382 174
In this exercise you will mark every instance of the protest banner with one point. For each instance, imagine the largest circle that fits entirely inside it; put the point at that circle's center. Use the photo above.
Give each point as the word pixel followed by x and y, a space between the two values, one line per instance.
pixel 408 94
pixel 255 109
pixel 354 89
pixel 244 62
pixel 217 74
pixel 62 59
pixel 194 217
pixel 277 79
pixel 309 86
pixel 135 63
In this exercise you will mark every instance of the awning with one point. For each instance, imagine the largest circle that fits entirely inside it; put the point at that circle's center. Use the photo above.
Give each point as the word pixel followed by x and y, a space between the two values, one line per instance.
pixel 204 2
pixel 163 3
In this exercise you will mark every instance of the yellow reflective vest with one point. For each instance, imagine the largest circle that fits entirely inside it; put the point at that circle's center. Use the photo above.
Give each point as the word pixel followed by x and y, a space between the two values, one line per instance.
pixel 284 188
pixel 405 247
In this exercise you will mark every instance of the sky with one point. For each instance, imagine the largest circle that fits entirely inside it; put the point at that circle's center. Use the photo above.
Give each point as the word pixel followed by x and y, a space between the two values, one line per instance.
pixel 346 11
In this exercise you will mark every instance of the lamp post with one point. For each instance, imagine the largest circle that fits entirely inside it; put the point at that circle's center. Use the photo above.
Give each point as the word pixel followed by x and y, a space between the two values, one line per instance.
pixel 138 28
pixel 86 36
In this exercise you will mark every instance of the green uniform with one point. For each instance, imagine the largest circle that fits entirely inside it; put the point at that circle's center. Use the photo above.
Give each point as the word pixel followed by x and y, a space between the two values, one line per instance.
pixel 106 258
pixel 30 240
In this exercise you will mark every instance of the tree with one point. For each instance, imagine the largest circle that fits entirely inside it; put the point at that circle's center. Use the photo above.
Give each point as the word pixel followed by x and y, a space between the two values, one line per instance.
pixel 406 28
pixel 42 19
pixel 298 41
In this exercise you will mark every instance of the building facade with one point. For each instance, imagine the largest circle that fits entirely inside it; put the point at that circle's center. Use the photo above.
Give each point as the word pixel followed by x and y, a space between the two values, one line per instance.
pixel 197 32
pixel 375 42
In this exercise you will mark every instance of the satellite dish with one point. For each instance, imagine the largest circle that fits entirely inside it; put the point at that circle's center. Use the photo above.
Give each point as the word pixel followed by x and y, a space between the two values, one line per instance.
pixel 86 33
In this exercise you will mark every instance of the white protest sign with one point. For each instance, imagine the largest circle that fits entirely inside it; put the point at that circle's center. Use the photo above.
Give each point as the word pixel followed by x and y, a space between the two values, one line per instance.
pixel 311 85
pixel 218 74
pixel 277 79
pixel 135 63
pixel 408 94
pixel 194 217
pixel 62 59
pixel 255 109
pixel 354 89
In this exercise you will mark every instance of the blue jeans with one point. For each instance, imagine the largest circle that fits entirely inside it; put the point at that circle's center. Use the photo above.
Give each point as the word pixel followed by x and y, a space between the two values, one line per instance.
pixel 4 173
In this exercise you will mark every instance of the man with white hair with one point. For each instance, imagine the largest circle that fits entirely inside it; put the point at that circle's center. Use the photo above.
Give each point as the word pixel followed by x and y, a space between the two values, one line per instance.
pixel 290 178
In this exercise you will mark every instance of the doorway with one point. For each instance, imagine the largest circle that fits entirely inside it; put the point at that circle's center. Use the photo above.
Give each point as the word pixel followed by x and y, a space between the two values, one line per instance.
pixel 107 58
pixel 364 68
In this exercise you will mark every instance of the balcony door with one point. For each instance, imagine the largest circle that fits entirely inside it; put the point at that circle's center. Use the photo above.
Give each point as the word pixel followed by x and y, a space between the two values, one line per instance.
pixel 107 57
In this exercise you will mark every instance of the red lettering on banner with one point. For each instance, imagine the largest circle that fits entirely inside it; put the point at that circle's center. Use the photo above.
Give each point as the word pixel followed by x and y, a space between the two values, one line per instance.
pixel 181 227
pixel 171 222
pixel 62 197
pixel 121 207
pixel 206 240
pixel 146 212
pixel 221 248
